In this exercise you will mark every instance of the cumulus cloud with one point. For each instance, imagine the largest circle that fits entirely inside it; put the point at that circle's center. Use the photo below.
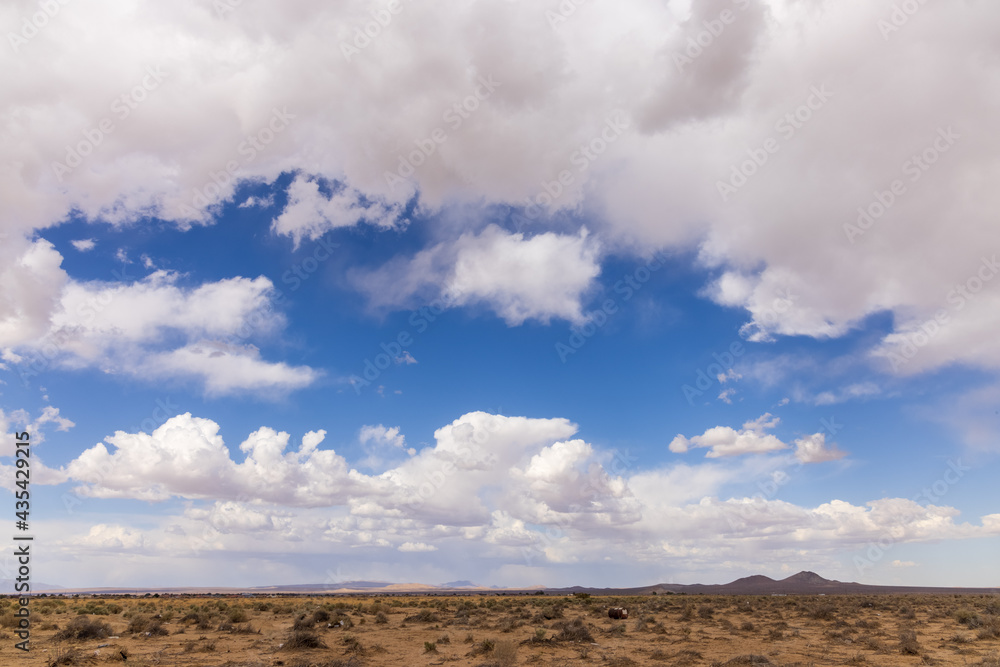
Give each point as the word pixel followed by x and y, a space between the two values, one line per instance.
pixel 520 278
pixel 509 487
pixel 310 213
pixel 236 114
pixel 132 329
pixel 382 444
pixel 32 279
pixel 813 449
pixel 113 538
pixel 726 441
pixel 84 245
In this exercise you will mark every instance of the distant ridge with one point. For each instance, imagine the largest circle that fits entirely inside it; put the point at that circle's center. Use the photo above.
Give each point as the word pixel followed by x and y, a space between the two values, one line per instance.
pixel 7 587
pixel 803 583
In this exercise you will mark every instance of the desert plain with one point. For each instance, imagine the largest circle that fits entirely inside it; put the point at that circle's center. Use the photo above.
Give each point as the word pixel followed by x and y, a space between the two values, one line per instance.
pixel 497 630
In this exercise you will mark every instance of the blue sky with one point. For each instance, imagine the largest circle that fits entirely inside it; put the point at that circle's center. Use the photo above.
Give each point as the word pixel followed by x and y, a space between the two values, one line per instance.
pixel 487 309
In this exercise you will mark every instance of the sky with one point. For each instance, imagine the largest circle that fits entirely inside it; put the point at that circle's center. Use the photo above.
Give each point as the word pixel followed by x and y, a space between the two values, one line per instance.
pixel 520 293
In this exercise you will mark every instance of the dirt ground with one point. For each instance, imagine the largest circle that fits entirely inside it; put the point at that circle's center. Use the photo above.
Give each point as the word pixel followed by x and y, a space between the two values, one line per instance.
pixel 505 630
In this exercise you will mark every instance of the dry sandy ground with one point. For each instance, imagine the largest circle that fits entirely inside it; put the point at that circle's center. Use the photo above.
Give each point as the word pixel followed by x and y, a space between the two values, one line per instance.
pixel 501 630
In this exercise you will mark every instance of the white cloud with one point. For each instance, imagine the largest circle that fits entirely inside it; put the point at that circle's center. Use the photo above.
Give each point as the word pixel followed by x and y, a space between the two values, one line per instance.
pixel 382 435
pixel 519 278
pixel 813 449
pixel 113 537
pixel 407 359
pixel 726 441
pixel 228 369
pixel 50 415
pixel 84 245
pixel 310 213
pixel 258 202
pixel 857 390
pixel 213 82
pixel 506 489
pixel 132 328
pixel 903 563
pixel 32 279
pixel 382 445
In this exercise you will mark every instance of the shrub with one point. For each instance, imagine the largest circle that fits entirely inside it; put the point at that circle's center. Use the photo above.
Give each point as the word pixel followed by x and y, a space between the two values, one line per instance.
pixel 908 642
pixel 968 617
pixel 381 618
pixel 483 647
pixel 573 631
pixel 303 639
pixel 990 629
pixel 823 612
pixel 82 627
pixel 505 653
pixel 424 616
pixel 430 647
pixel 353 645
pixel 237 615
pixel 70 657
pixel 744 660
pixel 303 622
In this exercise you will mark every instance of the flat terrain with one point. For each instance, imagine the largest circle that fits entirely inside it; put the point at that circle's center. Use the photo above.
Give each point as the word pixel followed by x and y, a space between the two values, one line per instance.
pixel 504 630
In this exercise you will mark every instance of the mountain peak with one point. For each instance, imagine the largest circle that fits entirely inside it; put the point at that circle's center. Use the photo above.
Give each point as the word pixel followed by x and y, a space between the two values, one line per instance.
pixel 806 577
pixel 755 579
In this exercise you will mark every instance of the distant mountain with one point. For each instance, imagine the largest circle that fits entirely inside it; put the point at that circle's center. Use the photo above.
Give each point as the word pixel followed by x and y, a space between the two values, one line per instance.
pixel 803 583
pixel 7 586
